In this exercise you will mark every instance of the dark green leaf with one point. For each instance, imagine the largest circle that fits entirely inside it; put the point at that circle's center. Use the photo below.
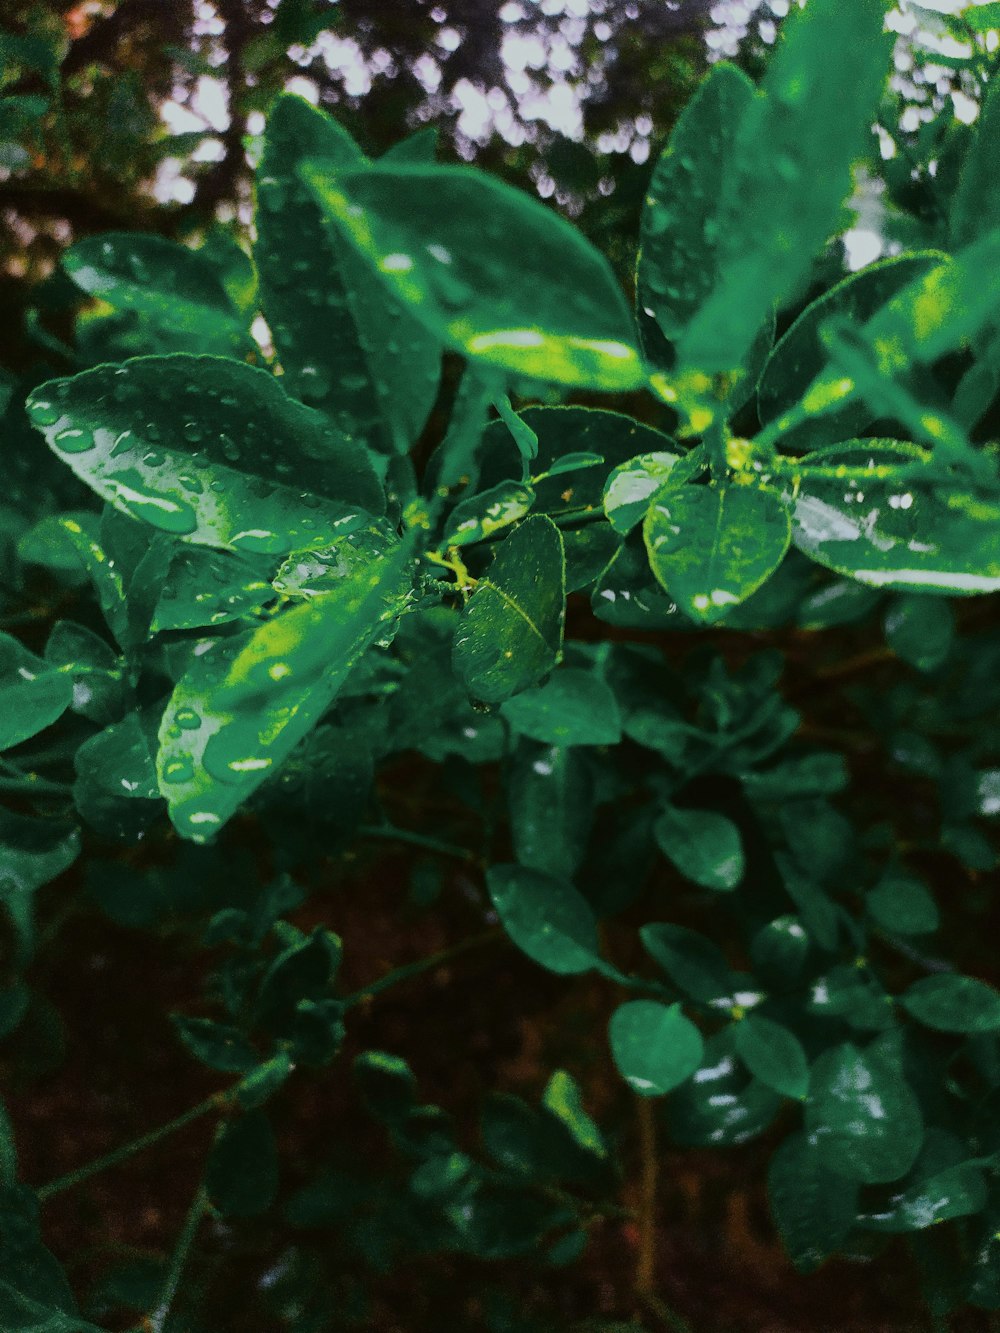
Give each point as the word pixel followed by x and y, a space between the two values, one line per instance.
pixel 33 694
pixel 545 917
pixel 772 1054
pixel 511 632
pixel 691 961
pixel 242 1174
pixel 703 845
pixel 953 1003
pixel 240 465
pixel 903 905
pixel 654 1046
pixel 215 1044
pixel 550 802
pixel 712 546
pixel 813 1207
pixel 631 487
pixel 575 707
pixel 862 1115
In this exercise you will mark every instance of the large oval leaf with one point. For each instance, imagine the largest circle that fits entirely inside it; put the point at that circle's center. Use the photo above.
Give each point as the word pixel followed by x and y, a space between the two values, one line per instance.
pixel 654 1046
pixel 546 917
pixel 346 344
pixel 490 271
pixel 208 449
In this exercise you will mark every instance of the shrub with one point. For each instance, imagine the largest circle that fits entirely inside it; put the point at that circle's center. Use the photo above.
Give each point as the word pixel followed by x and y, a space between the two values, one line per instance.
pixel 667 694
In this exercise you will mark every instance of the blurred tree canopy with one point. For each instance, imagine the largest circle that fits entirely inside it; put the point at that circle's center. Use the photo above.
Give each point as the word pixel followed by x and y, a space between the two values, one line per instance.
pixel 144 113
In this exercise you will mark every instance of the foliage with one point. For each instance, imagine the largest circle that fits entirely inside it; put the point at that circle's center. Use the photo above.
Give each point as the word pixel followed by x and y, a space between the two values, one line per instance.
pixel 706 672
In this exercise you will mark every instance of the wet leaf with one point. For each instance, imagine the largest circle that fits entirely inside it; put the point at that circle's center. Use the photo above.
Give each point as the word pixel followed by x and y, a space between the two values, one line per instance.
pixel 477 518
pixel 550 804
pixel 712 546
pixel 511 632
pixel 953 1003
pixel 957 1191
pixel 975 205
pixel 575 707
pixel 862 1115
pixel 204 587
pixel 33 694
pixel 490 271
pixel 682 235
pixel 654 1046
pixel 904 531
pixel 772 1054
pixel 721 1105
pixel 177 294
pixel 796 146
pixel 631 487
pixel 545 917
pixel 244 703
pixel 346 344
pixel 240 466
pixel 902 904
pixel 800 355
pixel 920 630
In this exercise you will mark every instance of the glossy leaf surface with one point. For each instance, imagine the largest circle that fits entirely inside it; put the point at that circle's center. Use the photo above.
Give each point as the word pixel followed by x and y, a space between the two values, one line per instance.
pixel 242 466
pixel 773 1054
pixel 952 1003
pixel 575 707
pixel 511 632
pixel 546 917
pixel 654 1046
pixel 488 270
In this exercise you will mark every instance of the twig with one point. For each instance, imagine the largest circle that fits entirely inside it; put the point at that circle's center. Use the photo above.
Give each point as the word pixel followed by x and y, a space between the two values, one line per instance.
pixel 645 1270
pixel 389 833
pixel 409 970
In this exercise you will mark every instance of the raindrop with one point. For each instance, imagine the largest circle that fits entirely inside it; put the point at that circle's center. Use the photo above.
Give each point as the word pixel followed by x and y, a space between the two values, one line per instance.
pixel 192 432
pixel 178 770
pixel 74 441
pixel 44 413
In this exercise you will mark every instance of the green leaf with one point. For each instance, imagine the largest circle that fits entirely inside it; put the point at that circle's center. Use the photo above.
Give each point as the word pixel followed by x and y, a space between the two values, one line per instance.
pixel 778 950
pixel 813 1207
pixel 682 234
pixel 575 707
pixel 920 630
pixel 488 270
pixel 564 1102
pixel 906 531
pixel 321 569
pixel 242 1174
pixel 862 1114
pixel 721 1105
pixel 794 151
pixel 115 789
pixel 631 487
pixel 903 905
pixel 550 803
pixel 32 853
pixel 244 703
pixel 346 344
pixel 654 1046
pixel 65 539
pixel 690 960
pixel 240 465
pixel 262 1083
pixel 177 294
pixel 953 1003
pixel 936 313
pixel 800 355
pixel 215 1044
pixel 957 1191
pixel 712 546
pixel 95 669
pixel 205 587
pixel 545 917
pixel 33 694
pixel 510 634
pixel 477 518
pixel 704 846
pixel 626 594
pixel 772 1054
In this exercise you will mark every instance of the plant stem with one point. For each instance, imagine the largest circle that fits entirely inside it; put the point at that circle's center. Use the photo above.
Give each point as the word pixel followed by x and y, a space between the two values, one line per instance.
pixel 155 1321
pixel 409 970
pixel 645 1270
pixel 216 1102
pixel 390 833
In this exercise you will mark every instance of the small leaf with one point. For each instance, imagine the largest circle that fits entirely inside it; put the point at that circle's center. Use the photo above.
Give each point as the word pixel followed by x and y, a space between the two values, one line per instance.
pixel 33 694
pixel 241 1178
pixel 511 632
pixel 813 1207
pixel 477 518
pixel 208 449
pixel 712 546
pixel 703 845
pixel 902 904
pixel 631 487
pixel 654 1046
pixel 772 1054
pixel 691 961
pixel 953 1003
pixel 575 707
pixel 215 1044
pixel 550 803
pixel 490 271
pixel 545 917
pixel 862 1115
pixel 920 630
